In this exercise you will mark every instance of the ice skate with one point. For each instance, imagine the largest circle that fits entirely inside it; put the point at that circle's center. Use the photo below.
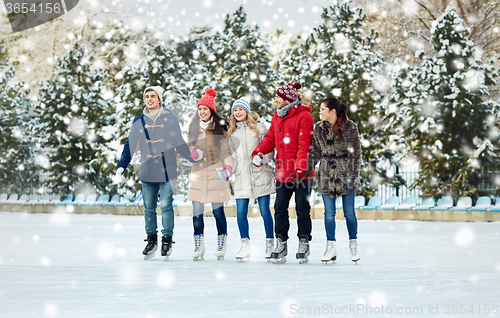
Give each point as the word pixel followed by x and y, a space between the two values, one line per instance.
pixel 221 246
pixel 278 256
pixel 353 247
pixel 269 248
pixel 166 246
pixel 150 249
pixel 303 251
pixel 245 250
pixel 330 253
pixel 199 247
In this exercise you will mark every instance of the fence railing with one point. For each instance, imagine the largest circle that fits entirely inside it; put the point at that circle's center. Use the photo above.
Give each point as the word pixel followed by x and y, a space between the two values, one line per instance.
pixel 407 173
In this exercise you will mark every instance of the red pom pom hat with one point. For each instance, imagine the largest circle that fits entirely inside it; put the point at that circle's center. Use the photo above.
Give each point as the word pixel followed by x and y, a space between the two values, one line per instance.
pixel 289 91
pixel 208 99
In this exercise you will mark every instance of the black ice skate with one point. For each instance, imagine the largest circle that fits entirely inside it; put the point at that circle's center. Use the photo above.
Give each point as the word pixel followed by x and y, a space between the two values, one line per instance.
pixel 278 256
pixel 166 246
pixel 304 251
pixel 150 249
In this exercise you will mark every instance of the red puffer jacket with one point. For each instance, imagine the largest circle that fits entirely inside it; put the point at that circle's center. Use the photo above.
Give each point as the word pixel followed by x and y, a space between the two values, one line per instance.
pixel 292 137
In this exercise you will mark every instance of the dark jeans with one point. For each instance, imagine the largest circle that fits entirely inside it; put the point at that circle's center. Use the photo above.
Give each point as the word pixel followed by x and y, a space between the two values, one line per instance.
pixel 220 218
pixel 284 192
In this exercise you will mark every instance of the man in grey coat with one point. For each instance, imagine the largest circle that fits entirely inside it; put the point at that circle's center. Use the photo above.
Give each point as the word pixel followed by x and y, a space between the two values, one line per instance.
pixel 158 133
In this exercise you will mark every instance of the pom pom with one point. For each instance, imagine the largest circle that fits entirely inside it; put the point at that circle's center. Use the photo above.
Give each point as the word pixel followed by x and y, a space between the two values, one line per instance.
pixel 211 92
pixel 297 85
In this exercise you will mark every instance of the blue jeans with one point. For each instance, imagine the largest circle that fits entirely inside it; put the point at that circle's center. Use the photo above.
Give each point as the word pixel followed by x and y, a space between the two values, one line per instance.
pixel 349 214
pixel 150 197
pixel 265 211
pixel 220 217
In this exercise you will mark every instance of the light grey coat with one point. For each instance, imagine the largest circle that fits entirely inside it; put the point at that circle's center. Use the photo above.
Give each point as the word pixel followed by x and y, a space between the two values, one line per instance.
pixel 250 181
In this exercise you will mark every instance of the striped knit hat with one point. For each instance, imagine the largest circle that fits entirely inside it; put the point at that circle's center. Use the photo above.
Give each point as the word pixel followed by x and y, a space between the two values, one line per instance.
pixel 243 103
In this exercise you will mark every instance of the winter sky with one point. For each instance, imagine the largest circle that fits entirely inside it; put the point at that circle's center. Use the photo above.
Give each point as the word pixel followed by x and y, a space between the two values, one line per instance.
pixel 178 17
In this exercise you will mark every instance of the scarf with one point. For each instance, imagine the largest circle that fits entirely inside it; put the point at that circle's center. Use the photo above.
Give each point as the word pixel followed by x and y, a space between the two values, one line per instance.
pixel 205 125
pixel 284 110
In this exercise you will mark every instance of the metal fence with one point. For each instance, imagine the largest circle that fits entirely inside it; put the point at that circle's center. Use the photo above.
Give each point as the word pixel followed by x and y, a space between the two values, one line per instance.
pixel 408 173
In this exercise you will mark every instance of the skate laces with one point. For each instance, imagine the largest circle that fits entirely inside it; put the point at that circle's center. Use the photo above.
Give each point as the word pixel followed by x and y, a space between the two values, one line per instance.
pixel 303 246
pixel 279 246
pixel 197 243
pixel 221 239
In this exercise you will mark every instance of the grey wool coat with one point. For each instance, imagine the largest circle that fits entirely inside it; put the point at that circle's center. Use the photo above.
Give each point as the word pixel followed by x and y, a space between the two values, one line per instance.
pixel 339 160
pixel 250 181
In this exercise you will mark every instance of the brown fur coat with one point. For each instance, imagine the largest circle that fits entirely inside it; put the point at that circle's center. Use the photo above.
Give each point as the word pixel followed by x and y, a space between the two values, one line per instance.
pixel 335 174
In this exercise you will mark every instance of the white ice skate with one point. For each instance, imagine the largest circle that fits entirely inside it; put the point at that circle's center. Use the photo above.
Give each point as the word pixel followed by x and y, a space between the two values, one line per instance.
pixel 304 251
pixel 278 256
pixel 269 248
pixel 353 247
pixel 221 246
pixel 330 253
pixel 245 250
pixel 199 247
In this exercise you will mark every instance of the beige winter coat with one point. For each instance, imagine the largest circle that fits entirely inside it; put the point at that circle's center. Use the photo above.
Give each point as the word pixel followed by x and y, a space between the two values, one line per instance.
pixel 205 184
pixel 250 181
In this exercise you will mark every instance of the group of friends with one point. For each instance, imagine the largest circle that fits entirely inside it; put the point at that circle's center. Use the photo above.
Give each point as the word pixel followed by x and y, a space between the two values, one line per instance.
pixel 219 148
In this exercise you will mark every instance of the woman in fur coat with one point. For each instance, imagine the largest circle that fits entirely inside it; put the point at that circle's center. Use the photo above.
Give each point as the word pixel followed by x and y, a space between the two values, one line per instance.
pixel 336 146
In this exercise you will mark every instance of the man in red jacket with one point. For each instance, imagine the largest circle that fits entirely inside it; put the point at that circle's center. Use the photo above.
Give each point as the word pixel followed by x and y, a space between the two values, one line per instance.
pixel 291 134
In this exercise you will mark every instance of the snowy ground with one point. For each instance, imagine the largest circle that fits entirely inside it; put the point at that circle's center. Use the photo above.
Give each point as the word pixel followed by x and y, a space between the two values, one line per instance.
pixel 68 265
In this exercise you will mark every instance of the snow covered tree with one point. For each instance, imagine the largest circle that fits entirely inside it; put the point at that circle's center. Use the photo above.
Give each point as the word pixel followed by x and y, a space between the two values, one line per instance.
pixel 71 128
pixel 339 60
pixel 17 169
pixel 441 113
pixel 239 61
pixel 408 23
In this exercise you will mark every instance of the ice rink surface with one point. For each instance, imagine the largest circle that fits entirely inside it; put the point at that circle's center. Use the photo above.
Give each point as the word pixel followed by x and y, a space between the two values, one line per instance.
pixel 66 265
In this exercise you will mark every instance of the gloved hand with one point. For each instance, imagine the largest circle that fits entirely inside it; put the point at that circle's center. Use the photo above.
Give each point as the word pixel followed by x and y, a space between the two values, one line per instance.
pixel 197 154
pixel 225 172
pixel 118 175
pixel 258 160
pixel 299 176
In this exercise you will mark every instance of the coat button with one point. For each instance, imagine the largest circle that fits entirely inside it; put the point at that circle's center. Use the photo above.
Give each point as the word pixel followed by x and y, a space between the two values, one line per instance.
pixel 281 130
pixel 281 146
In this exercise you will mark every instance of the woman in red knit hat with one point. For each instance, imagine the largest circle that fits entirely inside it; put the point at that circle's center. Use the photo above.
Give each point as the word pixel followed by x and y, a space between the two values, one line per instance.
pixel 208 182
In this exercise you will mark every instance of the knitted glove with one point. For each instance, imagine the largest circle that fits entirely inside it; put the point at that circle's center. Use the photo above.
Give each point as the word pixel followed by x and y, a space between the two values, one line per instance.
pixel 117 178
pixel 197 154
pixel 299 176
pixel 225 172
pixel 258 160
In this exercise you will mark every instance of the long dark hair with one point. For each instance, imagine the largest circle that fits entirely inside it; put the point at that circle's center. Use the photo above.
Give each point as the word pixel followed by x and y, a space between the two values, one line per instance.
pixel 221 127
pixel 341 109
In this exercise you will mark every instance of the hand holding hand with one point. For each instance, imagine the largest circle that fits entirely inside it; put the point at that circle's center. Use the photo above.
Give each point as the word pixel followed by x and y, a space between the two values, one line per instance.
pixel 258 160
pixel 225 172
pixel 197 154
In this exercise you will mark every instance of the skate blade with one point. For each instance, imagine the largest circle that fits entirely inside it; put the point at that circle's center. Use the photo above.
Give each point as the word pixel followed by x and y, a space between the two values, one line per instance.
pixel 241 259
pixel 278 260
pixel 303 260
pixel 198 259
pixel 149 256
pixel 220 258
pixel 165 258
